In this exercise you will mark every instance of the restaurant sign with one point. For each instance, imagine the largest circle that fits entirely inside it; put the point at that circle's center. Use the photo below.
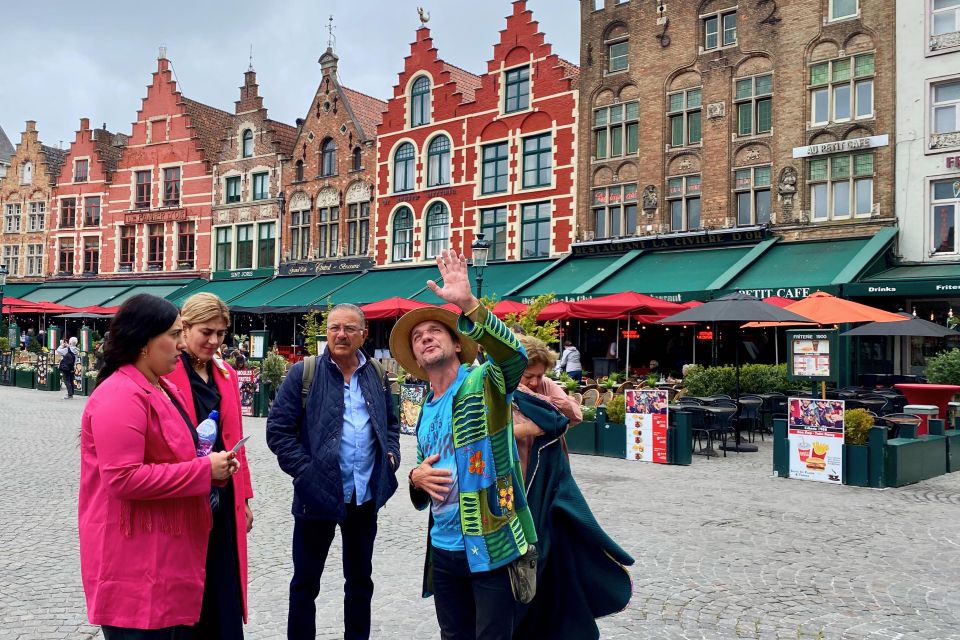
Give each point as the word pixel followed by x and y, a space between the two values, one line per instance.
pixel 841 146
pixel 239 274
pixel 149 217
pixel 698 240
pixel 347 265
pixel 937 288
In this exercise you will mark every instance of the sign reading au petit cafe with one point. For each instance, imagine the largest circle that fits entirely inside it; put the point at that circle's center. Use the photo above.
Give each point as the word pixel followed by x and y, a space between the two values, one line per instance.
pixel 841 146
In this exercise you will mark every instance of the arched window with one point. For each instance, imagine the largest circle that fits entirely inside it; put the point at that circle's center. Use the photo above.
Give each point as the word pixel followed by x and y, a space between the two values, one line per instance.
pixel 299 171
pixel 438 161
pixel 403 235
pixel 420 102
pixel 438 229
pixel 328 160
pixel 357 159
pixel 403 168
pixel 247 146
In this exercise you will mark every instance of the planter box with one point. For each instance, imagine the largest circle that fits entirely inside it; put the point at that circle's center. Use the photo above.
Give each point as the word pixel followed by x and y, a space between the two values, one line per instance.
pixel 25 379
pixel 953 450
pixel 855 465
pixel 612 440
pixel 910 460
pixel 52 381
pixel 582 438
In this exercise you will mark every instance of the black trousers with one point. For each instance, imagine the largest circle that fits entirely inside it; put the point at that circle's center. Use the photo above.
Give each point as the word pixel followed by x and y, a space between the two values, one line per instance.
pixel 167 633
pixel 471 606
pixel 67 377
pixel 311 542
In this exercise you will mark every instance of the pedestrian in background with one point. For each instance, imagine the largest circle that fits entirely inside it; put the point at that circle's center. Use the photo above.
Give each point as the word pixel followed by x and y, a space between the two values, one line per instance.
pixel 333 429
pixel 209 384
pixel 144 502
pixel 570 362
pixel 68 353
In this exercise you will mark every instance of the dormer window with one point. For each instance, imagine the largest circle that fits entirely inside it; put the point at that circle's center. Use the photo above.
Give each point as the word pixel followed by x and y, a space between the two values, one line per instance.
pixel 247 143
pixel 80 171
pixel 420 102
pixel 26 173
pixel 516 89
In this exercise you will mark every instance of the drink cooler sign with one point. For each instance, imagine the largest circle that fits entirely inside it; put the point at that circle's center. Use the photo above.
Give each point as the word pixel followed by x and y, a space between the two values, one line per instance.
pixel 646 420
pixel 249 381
pixel 815 433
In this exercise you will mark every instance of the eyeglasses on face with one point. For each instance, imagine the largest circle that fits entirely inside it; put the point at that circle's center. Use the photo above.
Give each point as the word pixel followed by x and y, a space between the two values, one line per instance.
pixel 349 329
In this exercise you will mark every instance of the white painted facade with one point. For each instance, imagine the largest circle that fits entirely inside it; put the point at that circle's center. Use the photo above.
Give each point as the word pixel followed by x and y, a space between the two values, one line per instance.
pixel 928 130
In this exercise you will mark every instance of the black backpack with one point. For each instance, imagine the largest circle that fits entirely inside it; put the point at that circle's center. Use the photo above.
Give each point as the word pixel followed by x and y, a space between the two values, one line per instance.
pixel 67 361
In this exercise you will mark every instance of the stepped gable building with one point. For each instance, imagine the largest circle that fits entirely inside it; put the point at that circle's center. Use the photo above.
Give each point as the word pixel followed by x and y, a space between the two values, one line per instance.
pixel 158 221
pixel 6 150
pixel 461 154
pixel 247 185
pixel 76 232
pixel 328 182
pixel 25 194
pixel 713 114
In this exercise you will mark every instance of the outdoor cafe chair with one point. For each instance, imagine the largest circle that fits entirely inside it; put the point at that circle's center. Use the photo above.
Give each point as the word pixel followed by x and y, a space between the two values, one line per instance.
pixel 898 420
pixel 576 395
pixel 700 429
pixel 605 398
pixel 749 416
pixel 590 397
pixel 589 381
pixel 690 400
pixel 626 385
pixel 721 419
pixel 876 403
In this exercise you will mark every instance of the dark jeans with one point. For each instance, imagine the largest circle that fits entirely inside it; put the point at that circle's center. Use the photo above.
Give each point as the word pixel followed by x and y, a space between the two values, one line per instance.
pixel 311 542
pixel 167 633
pixel 576 375
pixel 471 606
pixel 67 377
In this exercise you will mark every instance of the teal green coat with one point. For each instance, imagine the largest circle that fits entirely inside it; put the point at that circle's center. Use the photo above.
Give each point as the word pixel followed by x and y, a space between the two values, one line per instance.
pixel 496 521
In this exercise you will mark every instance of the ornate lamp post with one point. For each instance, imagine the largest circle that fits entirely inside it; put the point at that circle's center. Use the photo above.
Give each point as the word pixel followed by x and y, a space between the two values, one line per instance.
pixel 3 281
pixel 481 250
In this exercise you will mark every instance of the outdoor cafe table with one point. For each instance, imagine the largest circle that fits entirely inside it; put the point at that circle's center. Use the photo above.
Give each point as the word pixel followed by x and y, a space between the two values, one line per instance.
pixel 872 404
pixel 709 413
pixel 935 394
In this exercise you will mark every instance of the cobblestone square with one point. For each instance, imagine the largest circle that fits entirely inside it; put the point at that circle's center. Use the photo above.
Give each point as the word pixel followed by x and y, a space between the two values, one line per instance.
pixel 723 549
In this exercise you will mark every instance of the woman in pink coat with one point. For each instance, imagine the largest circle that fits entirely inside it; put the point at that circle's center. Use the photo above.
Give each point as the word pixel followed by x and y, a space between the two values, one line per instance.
pixel 209 384
pixel 144 503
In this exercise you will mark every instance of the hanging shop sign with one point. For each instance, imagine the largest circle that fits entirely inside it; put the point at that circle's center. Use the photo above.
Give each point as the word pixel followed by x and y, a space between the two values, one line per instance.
pixel 841 146
pixel 815 434
pixel 146 217
pixel 687 240
pixel 347 265
pixel 647 418
pixel 813 355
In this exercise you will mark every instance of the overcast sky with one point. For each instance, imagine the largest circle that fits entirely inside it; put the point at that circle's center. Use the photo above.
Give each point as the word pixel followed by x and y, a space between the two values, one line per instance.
pixel 67 60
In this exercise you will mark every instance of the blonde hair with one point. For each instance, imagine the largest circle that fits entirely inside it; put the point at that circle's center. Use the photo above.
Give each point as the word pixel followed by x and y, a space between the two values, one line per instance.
pixel 203 307
pixel 538 352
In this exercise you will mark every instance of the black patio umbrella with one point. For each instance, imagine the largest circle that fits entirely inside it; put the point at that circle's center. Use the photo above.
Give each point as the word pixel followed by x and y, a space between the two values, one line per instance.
pixel 912 327
pixel 736 308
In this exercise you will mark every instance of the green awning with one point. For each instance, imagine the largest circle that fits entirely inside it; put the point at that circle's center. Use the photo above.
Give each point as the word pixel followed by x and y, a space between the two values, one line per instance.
pixel 380 284
pixel 87 296
pixel 275 288
pixel 159 290
pixel 47 293
pixel 565 277
pixel 938 280
pixel 499 278
pixel 19 289
pixel 314 291
pixel 226 290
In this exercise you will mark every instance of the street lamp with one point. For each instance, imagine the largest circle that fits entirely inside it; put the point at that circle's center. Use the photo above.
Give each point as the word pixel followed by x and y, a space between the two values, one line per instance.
pixel 481 250
pixel 3 280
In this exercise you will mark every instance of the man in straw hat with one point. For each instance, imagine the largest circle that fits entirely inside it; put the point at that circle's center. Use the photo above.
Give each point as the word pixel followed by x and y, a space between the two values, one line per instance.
pixel 468 471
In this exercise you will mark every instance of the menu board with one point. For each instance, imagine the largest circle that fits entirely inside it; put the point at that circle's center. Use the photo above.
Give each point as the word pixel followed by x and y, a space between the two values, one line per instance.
pixel 249 381
pixel 646 420
pixel 812 355
pixel 815 433
pixel 411 401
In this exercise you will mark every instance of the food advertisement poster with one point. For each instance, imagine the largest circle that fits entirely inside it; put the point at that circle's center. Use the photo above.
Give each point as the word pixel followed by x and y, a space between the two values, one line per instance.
pixel 411 400
pixel 812 355
pixel 815 432
pixel 249 381
pixel 647 425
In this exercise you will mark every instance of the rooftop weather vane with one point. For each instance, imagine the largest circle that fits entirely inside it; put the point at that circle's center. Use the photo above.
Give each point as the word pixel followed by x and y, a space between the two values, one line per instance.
pixel 250 66
pixel 424 16
pixel 330 39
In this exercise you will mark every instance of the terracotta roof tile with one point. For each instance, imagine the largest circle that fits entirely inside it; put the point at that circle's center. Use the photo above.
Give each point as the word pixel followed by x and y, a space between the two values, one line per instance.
pixel 366 109
pixel 110 146
pixel 467 83
pixel 571 71
pixel 284 136
pixel 54 158
pixel 210 124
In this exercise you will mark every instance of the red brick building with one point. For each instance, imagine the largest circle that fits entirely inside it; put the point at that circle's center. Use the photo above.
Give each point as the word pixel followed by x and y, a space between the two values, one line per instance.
pixel 158 219
pixel 459 154
pixel 76 232
pixel 328 183
pixel 247 185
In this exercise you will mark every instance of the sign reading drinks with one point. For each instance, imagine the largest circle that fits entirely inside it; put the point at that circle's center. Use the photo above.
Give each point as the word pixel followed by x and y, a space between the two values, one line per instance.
pixel 646 420
pixel 815 433
pixel 347 265
pixel 812 355
pixel 155 216
pixel 841 146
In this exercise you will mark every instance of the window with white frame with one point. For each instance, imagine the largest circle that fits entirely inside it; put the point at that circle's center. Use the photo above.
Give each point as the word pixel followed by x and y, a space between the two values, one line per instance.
pixel 171 186
pixel 37 218
pixel 493 225
pixel 266 244
pixel 684 113
pixel 224 248
pixel 81 170
pixel 537 160
pixel 841 9
pixel 300 235
pixel 618 58
pixel 261 186
pixel 840 186
pixel 328 219
pixel 34 259
pixel 719 30
pixel 420 102
pixel 247 143
pixel 404 169
pixel 616 130
pixel 403 235
pixel 155 248
pixel 11 218
pixel 91 255
pixel 11 258
pixel 754 103
pixel 945 100
pixel 683 199
pixel 535 230
pixel 244 247
pixel 945 17
pixel 615 211
pixel 751 189
pixel 842 90
pixel 328 157
pixel 186 244
pixel 128 239
pixel 944 211
pixel 68 213
pixel 91 211
pixel 516 89
pixel 232 188
pixel 438 230
pixel 438 161
pixel 358 228
pixel 66 255
pixel 598 5
pixel 143 181
pixel 494 168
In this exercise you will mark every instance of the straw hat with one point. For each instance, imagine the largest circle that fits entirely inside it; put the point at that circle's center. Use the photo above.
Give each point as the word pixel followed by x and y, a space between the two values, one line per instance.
pixel 400 338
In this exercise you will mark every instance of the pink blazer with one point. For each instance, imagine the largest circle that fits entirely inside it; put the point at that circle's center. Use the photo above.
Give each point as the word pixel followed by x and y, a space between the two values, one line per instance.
pixel 144 513
pixel 231 423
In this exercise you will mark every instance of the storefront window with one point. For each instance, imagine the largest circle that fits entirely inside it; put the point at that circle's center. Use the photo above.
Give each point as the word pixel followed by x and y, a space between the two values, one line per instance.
pixel 945 204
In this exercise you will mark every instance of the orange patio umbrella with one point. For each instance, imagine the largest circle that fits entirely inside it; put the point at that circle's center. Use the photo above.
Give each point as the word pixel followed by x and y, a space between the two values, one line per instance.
pixel 825 309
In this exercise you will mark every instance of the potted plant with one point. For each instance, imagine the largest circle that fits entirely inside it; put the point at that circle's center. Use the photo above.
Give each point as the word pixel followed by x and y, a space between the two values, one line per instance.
pixel 272 370
pixel 944 368
pixel 568 383
pixel 856 430
pixel 582 438
pixel 613 434
pixel 89 382
pixel 24 375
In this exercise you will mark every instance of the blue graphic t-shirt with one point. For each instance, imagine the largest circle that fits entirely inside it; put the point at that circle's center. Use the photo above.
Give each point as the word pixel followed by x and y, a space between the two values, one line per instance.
pixel 435 435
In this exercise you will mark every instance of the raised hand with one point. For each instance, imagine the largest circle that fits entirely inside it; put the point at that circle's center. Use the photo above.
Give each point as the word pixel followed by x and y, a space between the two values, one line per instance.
pixel 456 284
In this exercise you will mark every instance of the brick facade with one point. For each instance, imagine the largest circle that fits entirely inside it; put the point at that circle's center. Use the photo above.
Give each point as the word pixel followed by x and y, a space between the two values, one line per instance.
pixel 682 59
pixel 520 115
pixel 246 220
pixel 25 202
pixel 322 191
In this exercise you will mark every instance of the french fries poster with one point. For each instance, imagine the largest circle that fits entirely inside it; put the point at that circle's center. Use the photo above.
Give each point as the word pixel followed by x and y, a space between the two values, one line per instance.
pixel 647 425
pixel 815 432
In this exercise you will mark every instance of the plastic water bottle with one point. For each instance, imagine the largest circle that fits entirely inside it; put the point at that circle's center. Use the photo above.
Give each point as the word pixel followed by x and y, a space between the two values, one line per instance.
pixel 207 430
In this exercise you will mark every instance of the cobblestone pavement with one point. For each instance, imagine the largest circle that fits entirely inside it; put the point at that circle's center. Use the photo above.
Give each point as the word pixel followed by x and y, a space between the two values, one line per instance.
pixel 723 549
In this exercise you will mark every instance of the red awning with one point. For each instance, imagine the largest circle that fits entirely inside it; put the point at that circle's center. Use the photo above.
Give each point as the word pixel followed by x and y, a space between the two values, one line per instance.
pixel 619 305
pixel 391 308
pixel 506 307
pixel 559 310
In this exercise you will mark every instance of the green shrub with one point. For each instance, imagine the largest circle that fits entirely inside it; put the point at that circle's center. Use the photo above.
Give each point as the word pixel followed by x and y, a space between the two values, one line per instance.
pixel 944 368
pixel 617 408
pixel 589 414
pixel 4 343
pixel 273 369
pixel 856 426
pixel 754 378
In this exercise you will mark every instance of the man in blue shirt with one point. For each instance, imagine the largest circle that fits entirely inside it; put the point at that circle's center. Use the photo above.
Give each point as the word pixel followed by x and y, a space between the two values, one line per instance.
pixel 338 437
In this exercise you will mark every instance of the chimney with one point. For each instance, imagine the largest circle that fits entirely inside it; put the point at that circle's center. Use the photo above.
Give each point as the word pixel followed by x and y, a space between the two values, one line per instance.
pixel 163 52
pixel 31 125
pixel 84 124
